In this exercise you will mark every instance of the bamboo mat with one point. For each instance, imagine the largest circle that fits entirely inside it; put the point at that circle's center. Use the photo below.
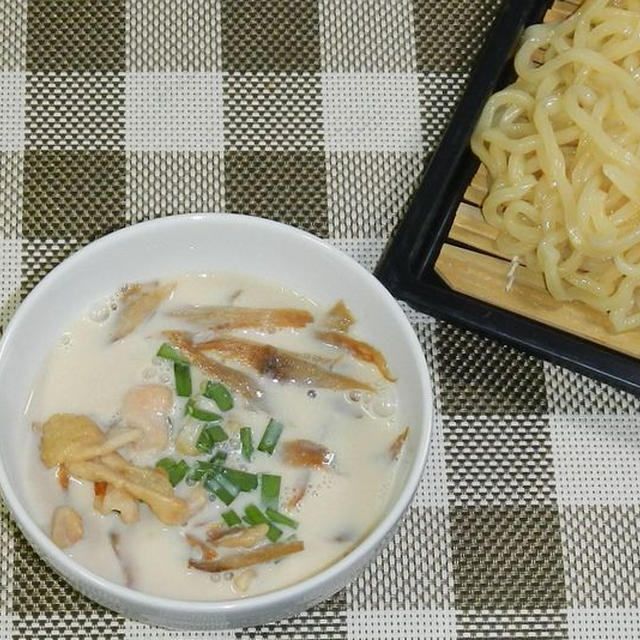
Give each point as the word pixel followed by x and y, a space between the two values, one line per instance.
pixel 480 269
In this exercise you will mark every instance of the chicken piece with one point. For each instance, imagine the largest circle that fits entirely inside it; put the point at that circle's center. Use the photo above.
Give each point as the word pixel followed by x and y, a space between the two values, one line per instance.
pixel 147 407
pixel 306 453
pixel 338 318
pixel 230 318
pixel 237 381
pixel 115 499
pixel 234 561
pixel 280 365
pixel 67 437
pixel 149 485
pixel 138 303
pixel 66 527
pixel 359 350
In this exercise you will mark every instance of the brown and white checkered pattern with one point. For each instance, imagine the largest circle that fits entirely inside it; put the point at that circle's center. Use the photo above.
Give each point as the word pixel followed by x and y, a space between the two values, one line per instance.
pixel 319 113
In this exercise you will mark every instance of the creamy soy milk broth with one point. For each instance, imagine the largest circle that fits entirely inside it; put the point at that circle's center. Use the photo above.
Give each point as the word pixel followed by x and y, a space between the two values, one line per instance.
pixel 88 374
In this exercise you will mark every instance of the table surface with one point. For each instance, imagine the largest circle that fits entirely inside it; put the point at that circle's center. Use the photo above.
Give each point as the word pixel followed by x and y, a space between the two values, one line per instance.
pixel 319 113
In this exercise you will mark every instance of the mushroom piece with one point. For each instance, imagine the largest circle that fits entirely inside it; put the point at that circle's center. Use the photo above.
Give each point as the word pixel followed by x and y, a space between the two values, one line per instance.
pixel 67 437
pixel 208 552
pixel 230 318
pixel 360 350
pixel 99 492
pixel 243 559
pixel 280 365
pixel 139 302
pixel 246 537
pixel 149 485
pixel 299 489
pixel 62 474
pixel 217 530
pixel 396 446
pixel 147 407
pixel 66 527
pixel 338 318
pixel 306 453
pixel 236 380
pixel 66 434
pixel 242 580
pixel 119 500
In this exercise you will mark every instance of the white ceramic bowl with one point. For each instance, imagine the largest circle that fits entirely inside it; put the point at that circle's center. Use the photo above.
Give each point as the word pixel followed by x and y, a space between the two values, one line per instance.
pixel 200 243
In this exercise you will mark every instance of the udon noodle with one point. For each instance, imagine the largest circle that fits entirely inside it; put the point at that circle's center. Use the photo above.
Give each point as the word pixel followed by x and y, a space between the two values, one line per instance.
pixel 562 149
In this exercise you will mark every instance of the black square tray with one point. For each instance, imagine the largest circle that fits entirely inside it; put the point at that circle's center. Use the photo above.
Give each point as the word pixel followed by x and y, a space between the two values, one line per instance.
pixel 406 266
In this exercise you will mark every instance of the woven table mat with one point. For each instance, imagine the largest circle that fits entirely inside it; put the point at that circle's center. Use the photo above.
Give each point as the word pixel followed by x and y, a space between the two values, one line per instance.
pixel 319 113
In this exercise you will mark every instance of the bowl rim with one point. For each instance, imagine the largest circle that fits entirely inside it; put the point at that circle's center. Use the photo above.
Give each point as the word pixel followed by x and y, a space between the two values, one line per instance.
pixel 312 584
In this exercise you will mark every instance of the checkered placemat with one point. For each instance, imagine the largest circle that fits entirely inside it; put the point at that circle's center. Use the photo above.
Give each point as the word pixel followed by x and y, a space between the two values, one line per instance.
pixel 319 113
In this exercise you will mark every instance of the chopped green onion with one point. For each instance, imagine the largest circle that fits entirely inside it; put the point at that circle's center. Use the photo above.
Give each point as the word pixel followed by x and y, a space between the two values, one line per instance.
pixel 254 516
pixel 204 469
pixel 231 518
pixel 209 436
pixel 243 480
pixel 200 470
pixel 182 374
pixel 270 490
pixel 168 352
pixel 270 436
pixel 165 463
pixel 274 533
pixel 218 457
pixel 200 414
pixel 219 394
pixel 280 518
pixel 175 470
pixel 221 487
pixel 246 440
pixel 179 472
